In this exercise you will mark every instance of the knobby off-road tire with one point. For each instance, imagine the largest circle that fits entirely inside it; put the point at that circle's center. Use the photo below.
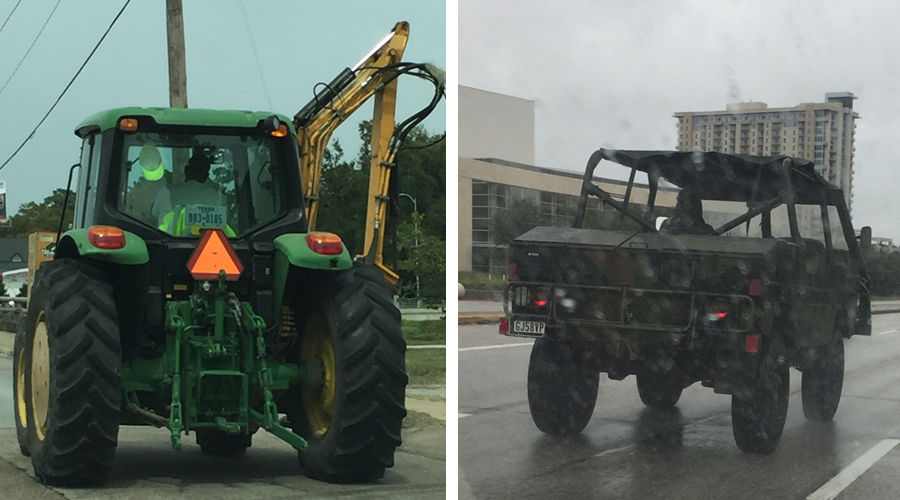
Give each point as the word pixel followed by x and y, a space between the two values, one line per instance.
pixel 217 443
pixel 20 390
pixel 353 421
pixel 73 351
pixel 562 386
pixel 758 419
pixel 658 391
pixel 823 381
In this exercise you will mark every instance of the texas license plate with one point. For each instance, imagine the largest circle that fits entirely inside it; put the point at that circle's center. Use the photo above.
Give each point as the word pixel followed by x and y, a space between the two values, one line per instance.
pixel 200 217
pixel 529 327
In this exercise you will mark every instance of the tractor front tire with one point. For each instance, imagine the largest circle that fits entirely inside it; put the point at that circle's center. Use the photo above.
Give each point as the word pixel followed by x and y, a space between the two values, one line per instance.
pixel 218 443
pixel 352 417
pixel 21 390
pixel 73 358
pixel 562 386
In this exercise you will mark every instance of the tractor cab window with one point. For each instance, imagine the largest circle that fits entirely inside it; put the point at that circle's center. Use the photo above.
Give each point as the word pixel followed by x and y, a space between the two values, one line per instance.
pixel 183 184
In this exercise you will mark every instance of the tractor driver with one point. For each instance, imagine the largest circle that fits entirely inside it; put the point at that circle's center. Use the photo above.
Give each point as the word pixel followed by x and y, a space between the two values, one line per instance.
pixel 196 189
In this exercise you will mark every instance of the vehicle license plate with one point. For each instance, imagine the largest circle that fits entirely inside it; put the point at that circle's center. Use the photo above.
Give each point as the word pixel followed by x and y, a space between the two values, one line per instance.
pixel 202 216
pixel 532 327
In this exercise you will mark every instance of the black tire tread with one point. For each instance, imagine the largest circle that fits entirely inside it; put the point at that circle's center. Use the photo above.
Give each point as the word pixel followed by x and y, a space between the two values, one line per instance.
pixel 217 443
pixel 85 360
pixel 370 394
pixel 658 392
pixel 21 431
pixel 562 386
pixel 757 425
pixel 823 382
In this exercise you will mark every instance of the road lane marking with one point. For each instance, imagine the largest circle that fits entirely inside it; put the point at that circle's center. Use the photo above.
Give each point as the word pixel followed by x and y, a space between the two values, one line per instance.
pixel 889 331
pixel 498 346
pixel 464 415
pixel 838 483
pixel 427 346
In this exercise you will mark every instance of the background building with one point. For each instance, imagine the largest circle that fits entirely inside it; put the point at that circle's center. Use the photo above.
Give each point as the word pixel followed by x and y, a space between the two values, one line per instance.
pixel 496 153
pixel 822 132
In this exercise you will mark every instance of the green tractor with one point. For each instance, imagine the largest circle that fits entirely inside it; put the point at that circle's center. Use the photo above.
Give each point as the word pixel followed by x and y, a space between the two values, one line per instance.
pixel 208 310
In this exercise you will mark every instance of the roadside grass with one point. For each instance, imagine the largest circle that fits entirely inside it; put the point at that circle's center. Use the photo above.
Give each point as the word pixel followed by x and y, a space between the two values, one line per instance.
pixel 419 420
pixel 426 366
pixel 425 332
pixel 481 281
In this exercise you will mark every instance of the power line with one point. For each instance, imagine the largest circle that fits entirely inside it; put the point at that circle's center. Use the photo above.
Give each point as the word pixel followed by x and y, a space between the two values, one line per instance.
pixel 31 135
pixel 10 15
pixel 30 47
pixel 253 45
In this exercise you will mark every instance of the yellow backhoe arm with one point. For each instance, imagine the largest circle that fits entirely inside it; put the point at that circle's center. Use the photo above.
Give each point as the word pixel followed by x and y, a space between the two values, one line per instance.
pixel 317 121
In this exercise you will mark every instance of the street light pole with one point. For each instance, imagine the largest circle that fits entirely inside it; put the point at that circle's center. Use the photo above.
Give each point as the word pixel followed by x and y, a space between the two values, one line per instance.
pixel 415 236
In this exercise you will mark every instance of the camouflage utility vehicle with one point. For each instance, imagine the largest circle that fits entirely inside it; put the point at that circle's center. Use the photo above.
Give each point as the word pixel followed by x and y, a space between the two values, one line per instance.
pixel 777 281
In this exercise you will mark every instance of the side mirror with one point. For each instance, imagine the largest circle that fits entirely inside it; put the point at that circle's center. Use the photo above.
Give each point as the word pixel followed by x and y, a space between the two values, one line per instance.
pixel 865 237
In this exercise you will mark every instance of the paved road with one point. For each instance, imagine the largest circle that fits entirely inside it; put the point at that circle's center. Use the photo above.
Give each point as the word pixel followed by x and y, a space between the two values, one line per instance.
pixel 147 467
pixel 630 452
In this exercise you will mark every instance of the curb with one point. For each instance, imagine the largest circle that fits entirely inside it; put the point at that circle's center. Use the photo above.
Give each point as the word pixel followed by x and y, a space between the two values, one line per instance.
pixel 480 319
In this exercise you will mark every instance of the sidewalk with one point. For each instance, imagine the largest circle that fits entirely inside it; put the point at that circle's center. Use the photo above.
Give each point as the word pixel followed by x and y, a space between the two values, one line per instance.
pixel 421 399
pixel 472 312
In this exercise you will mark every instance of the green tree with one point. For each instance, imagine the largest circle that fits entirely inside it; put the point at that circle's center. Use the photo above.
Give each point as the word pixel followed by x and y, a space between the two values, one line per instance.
pixel 420 173
pixel 424 261
pixel 43 216
pixel 23 290
pixel 520 216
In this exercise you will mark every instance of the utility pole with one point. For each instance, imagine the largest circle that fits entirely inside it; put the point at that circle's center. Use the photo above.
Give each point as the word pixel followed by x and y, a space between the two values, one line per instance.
pixel 177 71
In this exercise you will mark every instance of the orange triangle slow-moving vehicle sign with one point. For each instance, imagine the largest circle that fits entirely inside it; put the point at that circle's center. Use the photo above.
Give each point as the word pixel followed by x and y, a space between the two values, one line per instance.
pixel 212 255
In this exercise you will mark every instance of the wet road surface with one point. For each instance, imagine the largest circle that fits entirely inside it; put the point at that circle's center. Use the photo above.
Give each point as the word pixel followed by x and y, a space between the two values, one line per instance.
pixel 629 451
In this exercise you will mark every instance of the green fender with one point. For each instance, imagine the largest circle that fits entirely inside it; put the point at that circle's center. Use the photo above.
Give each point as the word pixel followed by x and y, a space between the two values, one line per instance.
pixel 75 243
pixel 292 250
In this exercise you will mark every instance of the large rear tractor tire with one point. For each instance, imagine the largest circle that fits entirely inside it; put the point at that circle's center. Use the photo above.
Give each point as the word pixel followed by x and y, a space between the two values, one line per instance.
pixel 823 381
pixel 562 386
pixel 658 391
pixel 353 415
pixel 758 420
pixel 217 443
pixel 72 353
pixel 20 391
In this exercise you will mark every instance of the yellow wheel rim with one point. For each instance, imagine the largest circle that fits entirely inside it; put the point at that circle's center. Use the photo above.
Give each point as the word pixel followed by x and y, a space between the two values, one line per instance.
pixel 21 408
pixel 319 401
pixel 40 376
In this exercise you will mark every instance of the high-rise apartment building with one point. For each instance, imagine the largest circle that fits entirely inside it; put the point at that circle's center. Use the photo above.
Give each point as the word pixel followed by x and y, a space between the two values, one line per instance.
pixel 822 132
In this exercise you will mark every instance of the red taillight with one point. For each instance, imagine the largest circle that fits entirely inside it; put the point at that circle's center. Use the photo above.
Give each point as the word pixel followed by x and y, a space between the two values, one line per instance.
pixel 719 309
pixel 325 243
pixel 752 343
pixel 755 287
pixel 513 272
pixel 504 326
pixel 540 296
pixel 106 237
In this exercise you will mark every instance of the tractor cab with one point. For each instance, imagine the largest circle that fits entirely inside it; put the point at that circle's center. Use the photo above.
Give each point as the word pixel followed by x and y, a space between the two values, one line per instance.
pixel 172 173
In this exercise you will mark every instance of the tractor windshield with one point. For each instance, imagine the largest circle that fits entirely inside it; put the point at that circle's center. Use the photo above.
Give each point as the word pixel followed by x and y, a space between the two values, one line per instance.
pixel 185 183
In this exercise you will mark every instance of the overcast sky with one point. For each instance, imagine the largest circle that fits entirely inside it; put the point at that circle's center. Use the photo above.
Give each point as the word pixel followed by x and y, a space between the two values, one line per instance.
pixel 299 43
pixel 612 74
